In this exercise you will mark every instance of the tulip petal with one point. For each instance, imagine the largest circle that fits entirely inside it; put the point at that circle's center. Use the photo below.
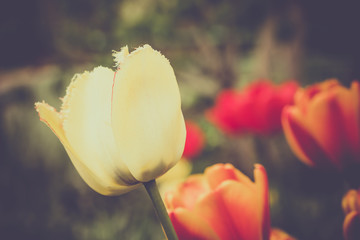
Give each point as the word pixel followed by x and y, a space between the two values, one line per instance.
pixel 187 193
pixel 234 207
pixel 262 188
pixel 332 107
pixel 174 177
pixel 351 201
pixel 351 113
pixel 300 140
pixel 225 113
pixel 194 140
pixel 146 116
pixel 241 205
pixel 212 209
pixel 218 173
pixel 54 121
pixel 189 226
pixel 278 234
pixel 246 208
pixel 87 115
pixel 351 226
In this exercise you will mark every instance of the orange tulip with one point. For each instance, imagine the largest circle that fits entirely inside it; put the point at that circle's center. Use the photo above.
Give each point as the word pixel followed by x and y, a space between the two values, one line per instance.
pixel 351 207
pixel 222 203
pixel 323 125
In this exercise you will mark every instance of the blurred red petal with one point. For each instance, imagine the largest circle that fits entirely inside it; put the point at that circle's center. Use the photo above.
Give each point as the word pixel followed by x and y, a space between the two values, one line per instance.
pixel 225 113
pixel 255 109
pixel 195 139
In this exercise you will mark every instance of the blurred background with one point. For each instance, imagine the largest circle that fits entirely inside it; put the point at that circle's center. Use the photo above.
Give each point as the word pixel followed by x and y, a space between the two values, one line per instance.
pixel 211 45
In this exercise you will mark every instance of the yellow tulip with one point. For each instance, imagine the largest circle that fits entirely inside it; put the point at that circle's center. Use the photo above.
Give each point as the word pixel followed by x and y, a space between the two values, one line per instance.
pixel 121 128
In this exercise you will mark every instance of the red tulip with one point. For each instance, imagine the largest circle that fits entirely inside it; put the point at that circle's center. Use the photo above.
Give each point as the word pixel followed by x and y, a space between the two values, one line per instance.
pixel 195 139
pixel 222 203
pixel 351 207
pixel 323 125
pixel 225 113
pixel 256 109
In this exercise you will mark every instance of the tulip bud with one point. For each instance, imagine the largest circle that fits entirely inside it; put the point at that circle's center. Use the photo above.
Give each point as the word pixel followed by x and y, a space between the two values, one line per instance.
pixel 121 128
pixel 323 125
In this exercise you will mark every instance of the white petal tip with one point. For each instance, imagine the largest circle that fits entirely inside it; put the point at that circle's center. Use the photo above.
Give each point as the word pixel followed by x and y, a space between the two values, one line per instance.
pixel 119 56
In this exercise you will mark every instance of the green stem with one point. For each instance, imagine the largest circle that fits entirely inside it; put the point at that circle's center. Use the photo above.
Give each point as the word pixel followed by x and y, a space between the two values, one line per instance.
pixel 160 209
